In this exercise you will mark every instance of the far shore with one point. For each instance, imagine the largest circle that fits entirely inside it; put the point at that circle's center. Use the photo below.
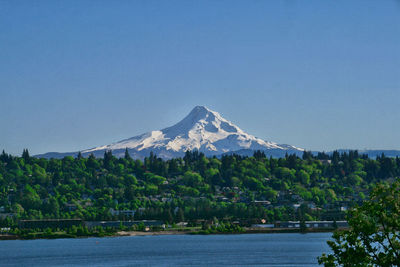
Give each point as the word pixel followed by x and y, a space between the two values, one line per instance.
pixel 141 233
pixel 246 231
pixel 186 232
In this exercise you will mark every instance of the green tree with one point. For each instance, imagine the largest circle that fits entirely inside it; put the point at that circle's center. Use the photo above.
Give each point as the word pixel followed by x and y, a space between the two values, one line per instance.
pixel 127 156
pixel 180 215
pixel 303 177
pixel 30 199
pixel 303 226
pixel 25 155
pixel 192 179
pixel 374 235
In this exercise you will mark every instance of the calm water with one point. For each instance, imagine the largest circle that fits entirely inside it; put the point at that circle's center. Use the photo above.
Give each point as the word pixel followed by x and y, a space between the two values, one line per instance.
pixel 173 250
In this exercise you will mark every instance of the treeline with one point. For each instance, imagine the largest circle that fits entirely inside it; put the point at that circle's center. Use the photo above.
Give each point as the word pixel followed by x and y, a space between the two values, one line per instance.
pixel 190 188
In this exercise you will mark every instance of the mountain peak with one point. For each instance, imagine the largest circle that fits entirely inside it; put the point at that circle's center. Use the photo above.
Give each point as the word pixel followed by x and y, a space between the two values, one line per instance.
pixel 202 129
pixel 200 108
pixel 200 112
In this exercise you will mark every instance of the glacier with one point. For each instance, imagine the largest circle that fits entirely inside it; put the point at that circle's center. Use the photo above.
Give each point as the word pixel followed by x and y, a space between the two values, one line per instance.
pixel 202 129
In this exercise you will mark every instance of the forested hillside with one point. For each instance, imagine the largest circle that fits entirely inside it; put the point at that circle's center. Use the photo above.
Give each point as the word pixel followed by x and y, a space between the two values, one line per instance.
pixel 190 188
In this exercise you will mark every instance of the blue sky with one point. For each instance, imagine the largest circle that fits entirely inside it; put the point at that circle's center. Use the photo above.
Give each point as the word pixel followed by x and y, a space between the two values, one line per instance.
pixel 320 75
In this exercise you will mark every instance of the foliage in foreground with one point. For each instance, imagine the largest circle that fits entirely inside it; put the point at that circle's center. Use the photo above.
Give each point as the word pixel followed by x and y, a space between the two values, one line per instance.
pixel 373 239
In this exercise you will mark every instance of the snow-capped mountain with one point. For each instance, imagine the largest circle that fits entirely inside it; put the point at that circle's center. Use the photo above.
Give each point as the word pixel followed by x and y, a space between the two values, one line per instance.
pixel 203 130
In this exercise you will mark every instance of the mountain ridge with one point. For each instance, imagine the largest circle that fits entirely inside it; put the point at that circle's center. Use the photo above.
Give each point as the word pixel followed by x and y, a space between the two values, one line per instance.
pixel 202 129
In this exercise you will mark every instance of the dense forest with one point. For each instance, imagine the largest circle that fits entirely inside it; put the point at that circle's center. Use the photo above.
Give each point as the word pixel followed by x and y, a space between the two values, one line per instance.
pixel 192 188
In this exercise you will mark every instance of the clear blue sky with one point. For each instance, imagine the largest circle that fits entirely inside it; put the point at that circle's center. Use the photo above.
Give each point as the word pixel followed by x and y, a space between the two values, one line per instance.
pixel 320 75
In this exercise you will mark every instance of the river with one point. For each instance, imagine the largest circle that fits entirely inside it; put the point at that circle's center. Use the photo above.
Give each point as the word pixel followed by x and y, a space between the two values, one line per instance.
pixel 279 249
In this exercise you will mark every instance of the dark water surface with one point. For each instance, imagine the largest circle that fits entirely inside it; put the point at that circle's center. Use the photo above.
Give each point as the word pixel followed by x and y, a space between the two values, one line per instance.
pixel 169 250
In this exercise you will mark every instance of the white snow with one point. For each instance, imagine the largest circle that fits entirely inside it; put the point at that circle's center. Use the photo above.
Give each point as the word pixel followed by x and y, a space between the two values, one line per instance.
pixel 203 129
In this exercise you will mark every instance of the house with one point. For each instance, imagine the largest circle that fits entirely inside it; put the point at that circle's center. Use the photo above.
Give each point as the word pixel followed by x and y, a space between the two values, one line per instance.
pixel 176 210
pixel 222 198
pixel 5 229
pixel 312 206
pixel 128 213
pixel 88 204
pixel 117 224
pixel 182 224
pixel 296 206
pixel 325 161
pixel 297 198
pixel 343 208
pixel 264 203
pixel 70 207
pixel 326 224
pixel 267 225
pixel 312 224
pixel 86 196
pixel 5 215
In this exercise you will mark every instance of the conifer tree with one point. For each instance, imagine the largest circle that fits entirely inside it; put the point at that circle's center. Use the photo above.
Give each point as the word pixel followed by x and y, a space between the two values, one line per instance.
pixel 4 157
pixel 127 156
pixel 25 155
pixel 180 216
pixel 108 159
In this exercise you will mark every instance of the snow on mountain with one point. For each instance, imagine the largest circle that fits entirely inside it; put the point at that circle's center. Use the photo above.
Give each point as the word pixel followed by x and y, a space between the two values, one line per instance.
pixel 203 130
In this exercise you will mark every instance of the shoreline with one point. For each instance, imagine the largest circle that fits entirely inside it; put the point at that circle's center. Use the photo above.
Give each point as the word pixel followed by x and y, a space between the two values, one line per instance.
pixel 180 232
pixel 149 233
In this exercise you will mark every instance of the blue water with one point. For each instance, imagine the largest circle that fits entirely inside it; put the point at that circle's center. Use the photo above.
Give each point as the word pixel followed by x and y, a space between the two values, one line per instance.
pixel 169 250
